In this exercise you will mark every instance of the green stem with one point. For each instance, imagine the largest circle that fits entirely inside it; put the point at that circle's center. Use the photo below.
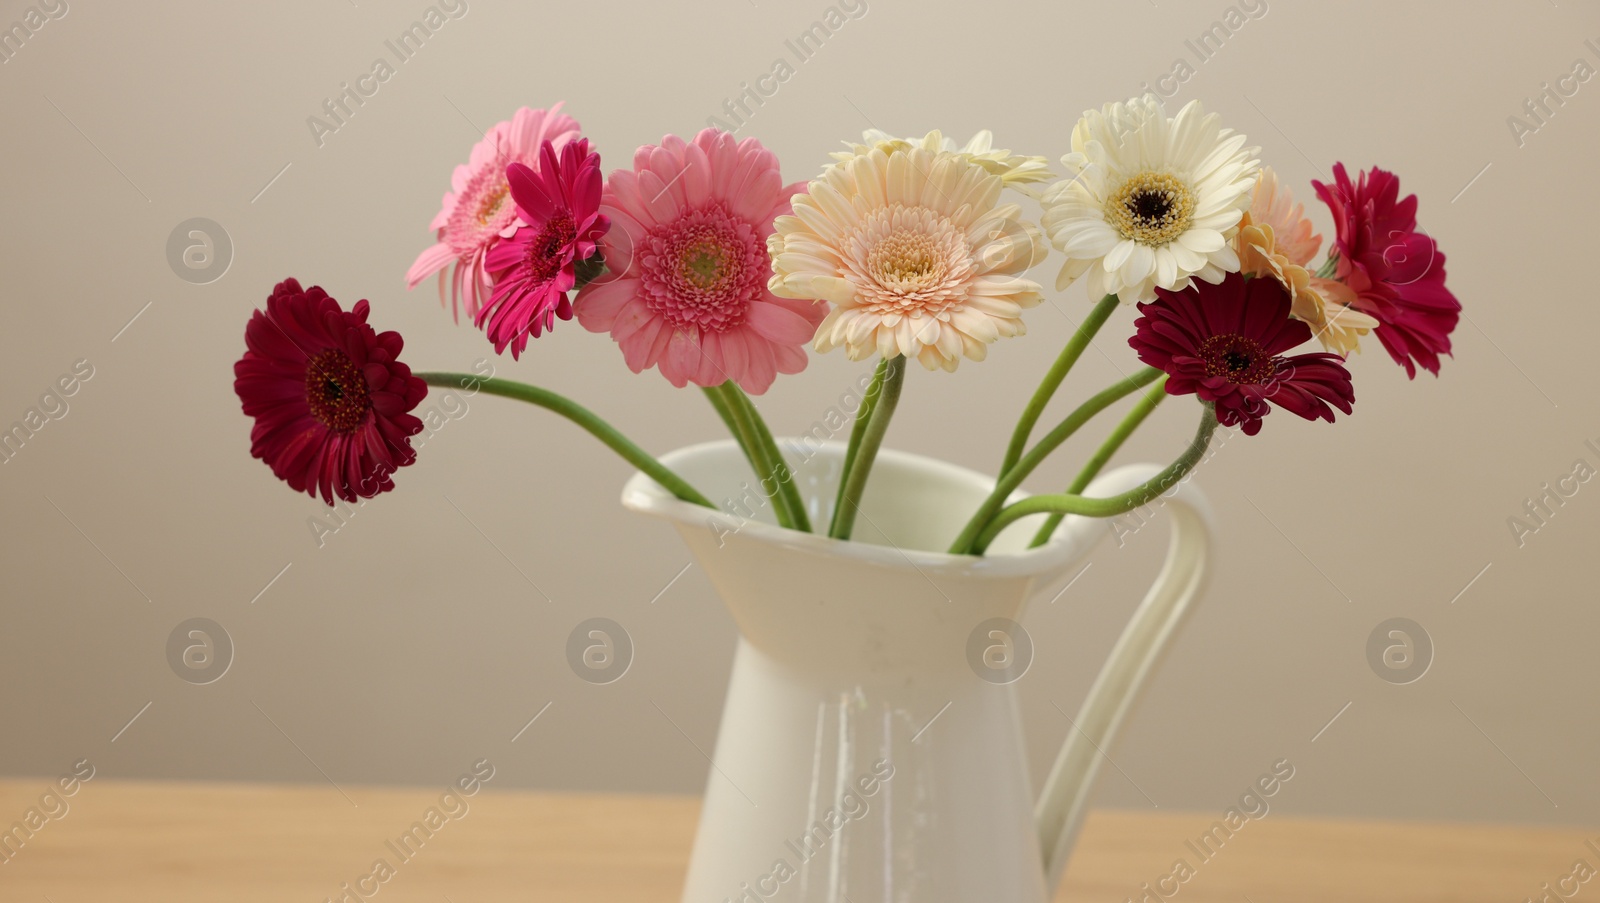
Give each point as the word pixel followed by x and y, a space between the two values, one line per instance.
pixel 844 516
pixel 1329 267
pixel 1141 409
pixel 859 429
pixel 738 428
pixel 1052 380
pixel 580 415
pixel 720 405
pixel 1112 505
pixel 733 415
pixel 742 418
pixel 1011 479
pixel 787 495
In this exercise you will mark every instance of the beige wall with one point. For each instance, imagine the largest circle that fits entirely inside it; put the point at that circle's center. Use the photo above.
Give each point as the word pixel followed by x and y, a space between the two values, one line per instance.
pixel 409 646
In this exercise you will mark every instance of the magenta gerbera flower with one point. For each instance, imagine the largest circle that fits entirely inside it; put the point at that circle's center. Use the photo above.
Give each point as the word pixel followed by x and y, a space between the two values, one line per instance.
pixel 1225 343
pixel 329 395
pixel 688 254
pixel 478 212
pixel 559 208
pixel 1396 272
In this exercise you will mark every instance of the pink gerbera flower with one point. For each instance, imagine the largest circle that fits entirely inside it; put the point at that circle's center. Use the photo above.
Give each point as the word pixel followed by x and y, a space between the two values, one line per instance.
pixel 1225 343
pixel 688 253
pixel 1395 271
pixel 329 395
pixel 559 205
pixel 477 210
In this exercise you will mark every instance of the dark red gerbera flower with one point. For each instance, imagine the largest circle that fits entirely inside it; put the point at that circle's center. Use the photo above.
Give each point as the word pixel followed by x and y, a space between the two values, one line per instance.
pixel 1396 272
pixel 329 395
pixel 1225 343
pixel 535 268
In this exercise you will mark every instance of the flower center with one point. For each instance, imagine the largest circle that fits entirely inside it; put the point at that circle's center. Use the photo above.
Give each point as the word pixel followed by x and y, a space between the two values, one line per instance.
pixel 905 260
pixel 909 261
pixel 702 271
pixel 1237 359
pixel 701 264
pixel 493 201
pixel 337 392
pixel 1152 208
pixel 547 251
pixel 482 209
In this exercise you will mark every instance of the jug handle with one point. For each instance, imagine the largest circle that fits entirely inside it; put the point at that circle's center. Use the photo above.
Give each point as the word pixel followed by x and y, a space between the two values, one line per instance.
pixel 1137 653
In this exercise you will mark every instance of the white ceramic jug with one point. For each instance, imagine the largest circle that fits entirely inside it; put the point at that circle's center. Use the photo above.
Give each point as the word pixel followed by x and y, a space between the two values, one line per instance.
pixel 870 748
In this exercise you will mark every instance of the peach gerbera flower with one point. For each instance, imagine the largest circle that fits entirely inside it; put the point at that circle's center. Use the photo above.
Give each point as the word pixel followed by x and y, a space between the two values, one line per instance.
pixel 915 252
pixel 1296 238
pixel 1275 239
pixel 1334 318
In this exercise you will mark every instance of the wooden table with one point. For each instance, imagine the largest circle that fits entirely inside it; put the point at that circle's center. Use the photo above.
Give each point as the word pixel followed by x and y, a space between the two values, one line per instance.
pixel 176 843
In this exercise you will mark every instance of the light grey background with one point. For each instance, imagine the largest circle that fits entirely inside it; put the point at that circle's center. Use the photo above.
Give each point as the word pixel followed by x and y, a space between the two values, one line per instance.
pixel 415 640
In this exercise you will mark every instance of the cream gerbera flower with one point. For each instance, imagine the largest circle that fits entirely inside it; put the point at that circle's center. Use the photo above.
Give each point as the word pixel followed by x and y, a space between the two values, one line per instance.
pixel 1324 304
pixel 1153 201
pixel 915 252
pixel 1013 169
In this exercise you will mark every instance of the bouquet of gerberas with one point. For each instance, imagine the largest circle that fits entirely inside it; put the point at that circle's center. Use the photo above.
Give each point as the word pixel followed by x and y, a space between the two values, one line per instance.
pixel 701 263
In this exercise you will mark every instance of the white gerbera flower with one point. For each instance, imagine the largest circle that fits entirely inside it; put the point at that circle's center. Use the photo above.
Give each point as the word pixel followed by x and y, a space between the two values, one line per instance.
pixel 1153 201
pixel 1014 170
pixel 914 251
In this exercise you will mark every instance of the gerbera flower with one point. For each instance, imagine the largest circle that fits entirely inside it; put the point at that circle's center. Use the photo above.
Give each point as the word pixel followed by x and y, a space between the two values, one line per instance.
pixel 559 208
pixel 1330 310
pixel 1395 272
pixel 477 210
pixel 1013 169
pixel 1152 202
pixel 329 395
pixel 1225 343
pixel 1274 205
pixel 688 250
pixel 914 251
pixel 1264 251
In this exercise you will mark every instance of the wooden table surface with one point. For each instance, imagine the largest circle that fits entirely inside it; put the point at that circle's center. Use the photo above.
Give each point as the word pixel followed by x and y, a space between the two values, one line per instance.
pixel 176 843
